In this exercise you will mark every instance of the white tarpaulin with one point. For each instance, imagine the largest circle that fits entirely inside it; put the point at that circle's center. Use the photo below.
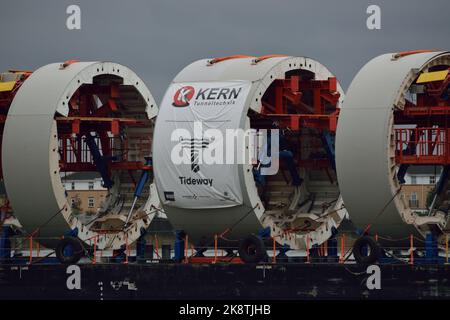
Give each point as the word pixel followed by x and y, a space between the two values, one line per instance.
pixel 191 149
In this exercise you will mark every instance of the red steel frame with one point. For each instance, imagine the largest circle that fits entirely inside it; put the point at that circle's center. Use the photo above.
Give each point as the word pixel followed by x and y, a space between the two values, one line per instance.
pixel 427 142
pixel 85 117
pixel 291 91
pixel 290 111
pixel 431 146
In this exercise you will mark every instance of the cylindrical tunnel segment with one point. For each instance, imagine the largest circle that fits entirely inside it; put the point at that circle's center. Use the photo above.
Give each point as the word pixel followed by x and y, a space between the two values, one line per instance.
pixel 10 83
pixel 395 117
pixel 80 117
pixel 298 100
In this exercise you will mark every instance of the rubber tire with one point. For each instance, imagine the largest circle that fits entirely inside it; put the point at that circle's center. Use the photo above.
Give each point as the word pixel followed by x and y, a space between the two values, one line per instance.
pixel 258 252
pixel 373 247
pixel 78 250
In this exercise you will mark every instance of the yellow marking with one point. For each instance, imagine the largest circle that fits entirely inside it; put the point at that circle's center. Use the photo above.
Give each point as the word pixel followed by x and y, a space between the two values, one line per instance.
pixel 432 76
pixel 7 86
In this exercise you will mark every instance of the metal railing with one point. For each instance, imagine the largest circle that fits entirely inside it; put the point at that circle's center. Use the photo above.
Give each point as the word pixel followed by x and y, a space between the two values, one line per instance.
pixel 28 250
pixel 422 145
pixel 74 151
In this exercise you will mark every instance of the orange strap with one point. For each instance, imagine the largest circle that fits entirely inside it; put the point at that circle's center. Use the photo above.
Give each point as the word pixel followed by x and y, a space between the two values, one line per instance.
pixel 259 59
pixel 68 63
pixel 220 59
pixel 408 53
pixel 255 60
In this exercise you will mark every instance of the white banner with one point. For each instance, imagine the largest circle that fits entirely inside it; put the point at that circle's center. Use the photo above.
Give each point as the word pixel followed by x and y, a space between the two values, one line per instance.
pixel 195 169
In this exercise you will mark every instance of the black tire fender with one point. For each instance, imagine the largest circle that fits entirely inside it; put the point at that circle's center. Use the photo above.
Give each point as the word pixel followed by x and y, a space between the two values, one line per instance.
pixel 78 250
pixel 373 248
pixel 252 249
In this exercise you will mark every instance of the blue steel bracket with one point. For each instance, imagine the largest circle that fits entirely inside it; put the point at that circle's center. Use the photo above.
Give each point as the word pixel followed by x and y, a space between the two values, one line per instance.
pixel 288 158
pixel 334 232
pixel 72 233
pixel 332 247
pixel 179 245
pixel 402 172
pixel 143 179
pixel 68 250
pixel 119 254
pixel 5 243
pixel 442 180
pixel 264 232
pixel 99 161
pixel 282 256
pixel 282 250
pixel 328 143
pixel 140 244
pixel 314 251
pixel 431 249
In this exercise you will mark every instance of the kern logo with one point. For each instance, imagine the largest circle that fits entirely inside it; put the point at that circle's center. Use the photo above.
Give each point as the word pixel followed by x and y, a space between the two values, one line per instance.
pixel 183 96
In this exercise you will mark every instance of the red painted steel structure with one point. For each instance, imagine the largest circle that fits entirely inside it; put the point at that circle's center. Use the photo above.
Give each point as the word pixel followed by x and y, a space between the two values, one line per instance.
pixel 289 93
pixel 424 139
pixel 85 117
pixel 299 102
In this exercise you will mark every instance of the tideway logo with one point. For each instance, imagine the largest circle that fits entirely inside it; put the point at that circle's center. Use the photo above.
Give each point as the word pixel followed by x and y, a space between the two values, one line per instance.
pixel 231 146
pixel 205 96
pixel 196 181
pixel 194 146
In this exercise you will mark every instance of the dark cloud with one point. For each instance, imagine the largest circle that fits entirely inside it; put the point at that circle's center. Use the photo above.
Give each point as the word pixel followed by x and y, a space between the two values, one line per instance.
pixel 158 38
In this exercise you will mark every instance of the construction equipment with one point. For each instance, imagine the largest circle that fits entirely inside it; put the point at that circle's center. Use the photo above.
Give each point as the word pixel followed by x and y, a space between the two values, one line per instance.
pixel 396 116
pixel 74 117
pixel 297 100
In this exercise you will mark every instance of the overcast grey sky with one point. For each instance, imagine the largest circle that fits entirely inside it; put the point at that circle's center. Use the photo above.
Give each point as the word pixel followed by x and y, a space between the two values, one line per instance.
pixel 158 38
